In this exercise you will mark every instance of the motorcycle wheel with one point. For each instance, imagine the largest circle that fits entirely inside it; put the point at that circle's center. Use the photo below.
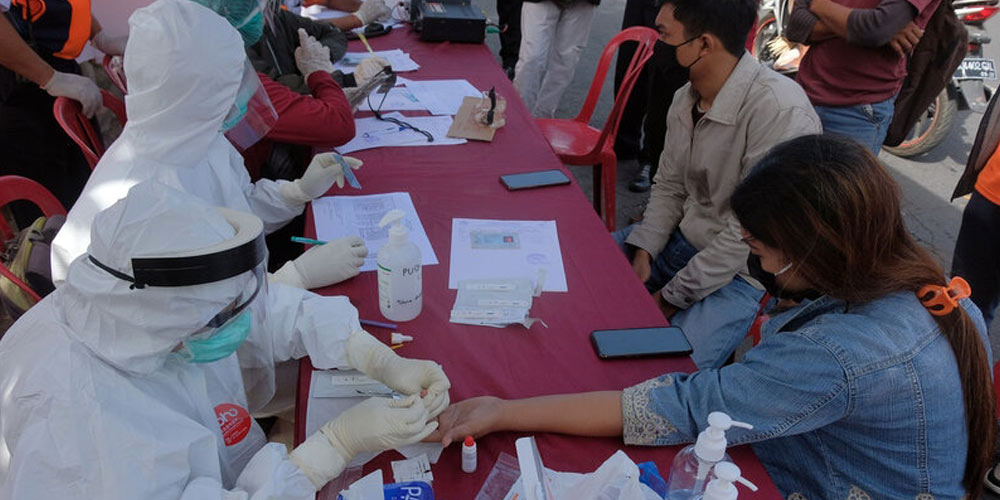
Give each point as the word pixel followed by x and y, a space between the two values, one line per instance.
pixel 930 130
pixel 767 30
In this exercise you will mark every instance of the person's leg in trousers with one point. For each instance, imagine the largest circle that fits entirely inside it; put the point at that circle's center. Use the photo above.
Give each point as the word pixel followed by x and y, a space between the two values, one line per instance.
pixel 571 36
pixel 509 13
pixel 716 324
pixel 865 123
pixel 977 253
pixel 674 256
pixel 628 143
pixel 538 29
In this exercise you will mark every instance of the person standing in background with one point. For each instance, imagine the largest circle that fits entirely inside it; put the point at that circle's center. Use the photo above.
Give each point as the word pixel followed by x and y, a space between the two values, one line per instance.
pixel 38 44
pixel 553 34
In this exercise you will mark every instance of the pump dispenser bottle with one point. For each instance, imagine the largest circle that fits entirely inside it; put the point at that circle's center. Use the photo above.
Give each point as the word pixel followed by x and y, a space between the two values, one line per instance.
pixel 400 283
pixel 722 487
pixel 689 473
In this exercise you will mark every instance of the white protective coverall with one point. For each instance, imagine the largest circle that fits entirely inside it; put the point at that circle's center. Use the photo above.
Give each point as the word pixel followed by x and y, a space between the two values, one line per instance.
pixel 94 403
pixel 184 65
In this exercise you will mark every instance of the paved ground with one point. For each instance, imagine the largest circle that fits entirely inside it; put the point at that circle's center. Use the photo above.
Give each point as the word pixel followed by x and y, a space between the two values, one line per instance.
pixel 926 181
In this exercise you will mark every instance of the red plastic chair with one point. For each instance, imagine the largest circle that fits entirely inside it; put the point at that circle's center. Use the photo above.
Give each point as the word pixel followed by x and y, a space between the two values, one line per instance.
pixel 14 188
pixel 115 69
pixel 69 114
pixel 577 143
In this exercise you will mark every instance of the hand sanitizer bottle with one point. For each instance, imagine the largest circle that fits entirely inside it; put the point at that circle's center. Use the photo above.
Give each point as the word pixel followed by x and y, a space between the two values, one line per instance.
pixel 400 283
pixel 689 473
pixel 722 487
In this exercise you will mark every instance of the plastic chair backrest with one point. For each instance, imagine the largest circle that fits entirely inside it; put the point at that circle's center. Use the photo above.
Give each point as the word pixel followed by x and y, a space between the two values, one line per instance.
pixel 16 188
pixel 115 68
pixel 645 39
pixel 69 114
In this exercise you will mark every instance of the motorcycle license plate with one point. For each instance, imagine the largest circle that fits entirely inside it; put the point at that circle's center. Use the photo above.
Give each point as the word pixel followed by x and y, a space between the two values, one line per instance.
pixel 977 68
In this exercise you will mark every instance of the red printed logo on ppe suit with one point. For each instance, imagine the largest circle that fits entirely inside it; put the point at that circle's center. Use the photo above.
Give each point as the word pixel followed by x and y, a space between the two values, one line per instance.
pixel 234 421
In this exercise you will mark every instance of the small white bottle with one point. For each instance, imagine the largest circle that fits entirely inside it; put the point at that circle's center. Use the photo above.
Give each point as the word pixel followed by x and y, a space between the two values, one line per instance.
pixel 400 283
pixel 689 472
pixel 469 455
pixel 722 487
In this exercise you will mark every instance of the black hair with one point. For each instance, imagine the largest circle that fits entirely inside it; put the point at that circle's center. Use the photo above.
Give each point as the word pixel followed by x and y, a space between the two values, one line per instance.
pixel 729 20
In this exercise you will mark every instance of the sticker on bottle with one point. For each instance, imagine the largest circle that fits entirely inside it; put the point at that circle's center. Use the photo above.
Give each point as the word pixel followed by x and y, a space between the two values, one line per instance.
pixel 234 421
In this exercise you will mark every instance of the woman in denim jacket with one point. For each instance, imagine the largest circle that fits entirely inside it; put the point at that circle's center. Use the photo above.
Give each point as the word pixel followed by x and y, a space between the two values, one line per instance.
pixel 859 389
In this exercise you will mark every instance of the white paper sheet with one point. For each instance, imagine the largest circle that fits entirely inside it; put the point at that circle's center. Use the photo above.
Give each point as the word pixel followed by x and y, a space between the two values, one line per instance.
pixel 442 97
pixel 322 409
pixel 412 469
pixel 340 216
pixel 399 60
pixel 397 99
pixel 373 133
pixel 506 249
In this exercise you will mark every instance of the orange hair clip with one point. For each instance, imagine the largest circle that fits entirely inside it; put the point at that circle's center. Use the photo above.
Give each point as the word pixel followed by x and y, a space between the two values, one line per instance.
pixel 940 300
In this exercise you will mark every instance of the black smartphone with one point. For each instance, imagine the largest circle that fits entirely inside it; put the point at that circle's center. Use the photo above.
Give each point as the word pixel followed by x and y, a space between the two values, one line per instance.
pixel 529 180
pixel 639 342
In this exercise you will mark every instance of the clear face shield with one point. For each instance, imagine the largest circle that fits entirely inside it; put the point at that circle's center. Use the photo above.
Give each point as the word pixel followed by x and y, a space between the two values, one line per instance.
pixel 248 16
pixel 238 265
pixel 252 115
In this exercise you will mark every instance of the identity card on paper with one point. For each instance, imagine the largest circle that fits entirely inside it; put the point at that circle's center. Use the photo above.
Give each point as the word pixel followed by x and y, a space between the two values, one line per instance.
pixel 340 216
pixel 486 249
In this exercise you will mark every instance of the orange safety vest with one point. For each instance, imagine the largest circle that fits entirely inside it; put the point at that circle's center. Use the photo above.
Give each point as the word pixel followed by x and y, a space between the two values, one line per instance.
pixel 59 28
pixel 988 182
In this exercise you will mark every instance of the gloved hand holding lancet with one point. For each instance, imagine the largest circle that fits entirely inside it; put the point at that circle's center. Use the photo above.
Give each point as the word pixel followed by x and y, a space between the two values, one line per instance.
pixel 312 56
pixel 324 265
pixel 376 424
pixel 76 87
pixel 323 172
pixel 407 376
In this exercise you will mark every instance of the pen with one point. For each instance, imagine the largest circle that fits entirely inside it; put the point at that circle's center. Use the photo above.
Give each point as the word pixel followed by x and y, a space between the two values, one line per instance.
pixel 361 36
pixel 307 241
pixel 379 324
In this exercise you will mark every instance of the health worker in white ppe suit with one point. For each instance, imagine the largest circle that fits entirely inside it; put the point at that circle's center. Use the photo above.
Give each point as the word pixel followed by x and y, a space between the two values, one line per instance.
pixel 189 84
pixel 136 379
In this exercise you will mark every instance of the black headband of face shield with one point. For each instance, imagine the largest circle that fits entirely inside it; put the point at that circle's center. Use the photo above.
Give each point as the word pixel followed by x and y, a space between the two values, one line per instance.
pixel 193 270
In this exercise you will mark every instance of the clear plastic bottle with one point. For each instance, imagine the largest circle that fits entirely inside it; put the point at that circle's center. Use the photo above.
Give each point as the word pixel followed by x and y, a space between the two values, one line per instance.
pixel 689 472
pixel 722 487
pixel 400 282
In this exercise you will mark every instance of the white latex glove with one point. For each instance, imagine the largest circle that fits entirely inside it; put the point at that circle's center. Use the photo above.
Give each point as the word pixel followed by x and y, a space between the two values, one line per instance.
pixel 367 69
pixel 323 172
pixel 407 376
pixel 324 265
pixel 312 56
pixel 76 87
pixel 110 45
pixel 371 11
pixel 376 424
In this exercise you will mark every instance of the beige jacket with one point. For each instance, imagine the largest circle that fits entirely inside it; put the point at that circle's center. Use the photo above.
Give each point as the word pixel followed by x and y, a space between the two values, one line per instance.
pixel 702 164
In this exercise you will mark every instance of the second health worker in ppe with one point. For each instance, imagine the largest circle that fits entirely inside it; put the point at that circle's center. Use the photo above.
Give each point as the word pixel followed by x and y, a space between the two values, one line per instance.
pixel 138 377
pixel 186 68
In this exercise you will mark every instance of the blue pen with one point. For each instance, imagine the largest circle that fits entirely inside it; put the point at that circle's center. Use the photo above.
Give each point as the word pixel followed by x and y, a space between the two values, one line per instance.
pixel 307 241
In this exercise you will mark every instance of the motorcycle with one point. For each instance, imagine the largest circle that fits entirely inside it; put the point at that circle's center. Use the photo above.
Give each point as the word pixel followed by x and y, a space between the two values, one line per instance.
pixel 966 91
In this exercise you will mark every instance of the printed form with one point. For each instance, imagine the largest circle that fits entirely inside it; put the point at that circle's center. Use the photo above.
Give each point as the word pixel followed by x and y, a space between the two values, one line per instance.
pixel 340 216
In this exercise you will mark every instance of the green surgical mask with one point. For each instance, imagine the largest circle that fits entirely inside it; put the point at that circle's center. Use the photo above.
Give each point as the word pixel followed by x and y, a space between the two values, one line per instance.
pixel 220 344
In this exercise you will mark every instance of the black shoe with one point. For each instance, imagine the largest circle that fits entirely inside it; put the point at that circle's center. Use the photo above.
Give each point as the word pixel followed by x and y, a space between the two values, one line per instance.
pixel 640 183
pixel 992 481
pixel 509 70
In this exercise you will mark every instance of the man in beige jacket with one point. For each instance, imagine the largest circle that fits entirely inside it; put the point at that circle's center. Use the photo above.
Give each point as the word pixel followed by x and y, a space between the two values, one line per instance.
pixel 732 112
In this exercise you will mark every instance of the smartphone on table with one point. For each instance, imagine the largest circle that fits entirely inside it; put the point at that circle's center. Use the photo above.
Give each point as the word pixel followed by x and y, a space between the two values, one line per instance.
pixel 528 180
pixel 640 342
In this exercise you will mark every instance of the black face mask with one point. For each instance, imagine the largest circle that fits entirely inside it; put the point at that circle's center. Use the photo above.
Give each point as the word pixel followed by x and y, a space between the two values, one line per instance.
pixel 771 285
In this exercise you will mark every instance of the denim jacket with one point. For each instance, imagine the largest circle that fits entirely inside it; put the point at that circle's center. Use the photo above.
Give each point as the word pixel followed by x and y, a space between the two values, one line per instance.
pixel 859 402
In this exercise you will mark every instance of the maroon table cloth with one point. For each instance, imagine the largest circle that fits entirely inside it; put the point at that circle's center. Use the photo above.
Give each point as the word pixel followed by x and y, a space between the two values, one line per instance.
pixel 462 181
